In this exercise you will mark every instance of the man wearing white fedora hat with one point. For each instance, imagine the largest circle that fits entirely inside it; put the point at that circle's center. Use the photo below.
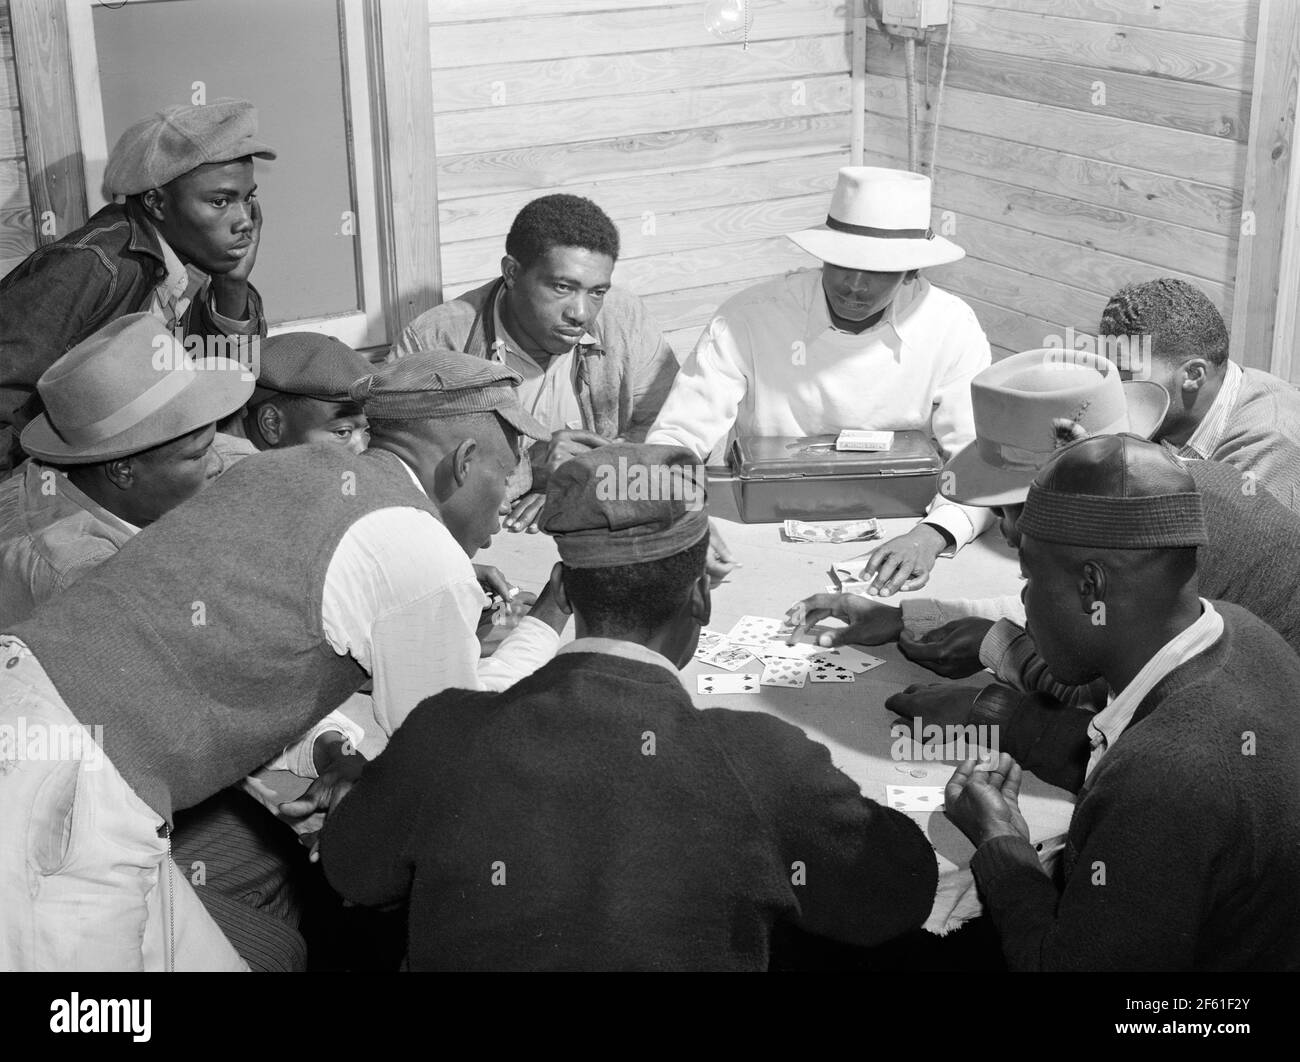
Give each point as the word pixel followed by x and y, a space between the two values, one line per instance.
pixel 862 342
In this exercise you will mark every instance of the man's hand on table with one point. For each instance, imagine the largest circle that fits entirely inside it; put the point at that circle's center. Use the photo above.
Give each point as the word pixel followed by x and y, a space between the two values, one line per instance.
pixel 904 563
pixel 719 562
pixel 940 702
pixel 952 650
pixel 563 445
pixel 338 766
pixel 982 799
pixel 869 622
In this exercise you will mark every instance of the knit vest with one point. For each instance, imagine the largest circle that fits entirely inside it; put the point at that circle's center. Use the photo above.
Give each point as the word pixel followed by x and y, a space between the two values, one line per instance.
pixel 199 647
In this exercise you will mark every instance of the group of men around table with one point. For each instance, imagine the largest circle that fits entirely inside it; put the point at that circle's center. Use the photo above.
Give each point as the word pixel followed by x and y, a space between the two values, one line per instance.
pixel 198 569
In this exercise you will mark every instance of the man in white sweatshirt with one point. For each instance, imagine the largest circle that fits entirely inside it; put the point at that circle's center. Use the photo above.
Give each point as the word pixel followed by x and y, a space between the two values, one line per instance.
pixel 862 342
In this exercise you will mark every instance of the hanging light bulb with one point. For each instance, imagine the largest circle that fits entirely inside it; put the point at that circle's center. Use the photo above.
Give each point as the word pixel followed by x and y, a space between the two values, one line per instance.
pixel 728 19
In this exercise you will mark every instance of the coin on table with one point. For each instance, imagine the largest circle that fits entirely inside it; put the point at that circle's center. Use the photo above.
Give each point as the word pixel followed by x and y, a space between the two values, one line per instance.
pixel 918 773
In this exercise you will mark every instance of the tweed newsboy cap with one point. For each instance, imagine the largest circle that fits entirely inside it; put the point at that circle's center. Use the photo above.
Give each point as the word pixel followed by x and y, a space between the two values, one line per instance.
pixel 1115 492
pixel 175 140
pixel 625 504
pixel 310 364
pixel 444 383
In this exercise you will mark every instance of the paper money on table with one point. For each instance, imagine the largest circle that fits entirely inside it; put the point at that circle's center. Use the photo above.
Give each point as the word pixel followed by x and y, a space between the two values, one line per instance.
pixel 853 531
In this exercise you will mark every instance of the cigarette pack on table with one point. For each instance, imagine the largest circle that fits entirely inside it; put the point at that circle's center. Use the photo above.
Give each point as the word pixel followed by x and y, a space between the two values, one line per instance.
pixel 852 439
pixel 808 479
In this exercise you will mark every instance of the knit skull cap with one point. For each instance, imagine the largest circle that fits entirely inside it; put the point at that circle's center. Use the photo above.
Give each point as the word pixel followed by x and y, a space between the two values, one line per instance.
pixel 625 504
pixel 1115 492
pixel 175 140
pixel 310 364
pixel 444 384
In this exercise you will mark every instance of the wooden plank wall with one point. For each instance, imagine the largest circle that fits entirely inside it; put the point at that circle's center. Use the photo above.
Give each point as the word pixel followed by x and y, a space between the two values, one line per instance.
pixel 17 234
pixel 704 154
pixel 1061 196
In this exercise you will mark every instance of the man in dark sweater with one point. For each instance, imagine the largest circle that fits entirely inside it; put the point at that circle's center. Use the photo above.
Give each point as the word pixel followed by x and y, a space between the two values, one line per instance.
pixel 591 817
pixel 1184 849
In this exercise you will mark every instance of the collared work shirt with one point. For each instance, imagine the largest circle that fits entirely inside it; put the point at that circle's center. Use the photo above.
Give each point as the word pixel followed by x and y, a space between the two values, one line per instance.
pixel 409 616
pixel 1107 725
pixel 771 363
pixel 549 394
pixel 1209 433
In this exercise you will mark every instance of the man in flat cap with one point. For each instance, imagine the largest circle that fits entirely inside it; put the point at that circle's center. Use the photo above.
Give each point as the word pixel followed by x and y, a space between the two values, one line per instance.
pixel 861 342
pixel 1183 852
pixel 181 245
pixel 302 393
pixel 630 830
pixel 348 567
pixel 594 365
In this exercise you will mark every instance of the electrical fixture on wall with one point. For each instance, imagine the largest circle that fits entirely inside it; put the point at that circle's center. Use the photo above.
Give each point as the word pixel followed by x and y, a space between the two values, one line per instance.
pixel 914 20
pixel 729 20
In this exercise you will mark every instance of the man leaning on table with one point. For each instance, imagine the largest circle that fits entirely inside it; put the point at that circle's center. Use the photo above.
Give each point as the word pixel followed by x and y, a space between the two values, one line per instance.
pixel 352 566
pixel 622 829
pixel 1183 851
pixel 862 342
pixel 593 365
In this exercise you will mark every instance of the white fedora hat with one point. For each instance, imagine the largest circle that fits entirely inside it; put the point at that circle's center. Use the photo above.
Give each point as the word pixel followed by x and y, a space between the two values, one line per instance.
pixel 879 220
pixel 1021 406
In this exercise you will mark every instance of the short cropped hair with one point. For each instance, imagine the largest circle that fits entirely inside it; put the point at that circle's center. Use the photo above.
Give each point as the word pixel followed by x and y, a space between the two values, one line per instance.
pixel 1180 319
pixel 635 597
pixel 560 221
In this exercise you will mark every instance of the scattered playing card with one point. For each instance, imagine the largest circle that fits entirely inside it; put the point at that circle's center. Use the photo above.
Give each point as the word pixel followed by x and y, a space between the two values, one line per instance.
pixel 784 671
pixel 915 797
pixel 804 647
pixel 825 671
pixel 724 683
pixel 727 656
pixel 757 631
pixel 709 640
pixel 850 657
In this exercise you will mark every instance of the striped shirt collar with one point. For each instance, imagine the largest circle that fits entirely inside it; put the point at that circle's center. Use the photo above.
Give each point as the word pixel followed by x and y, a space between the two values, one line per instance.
pixel 1108 724
pixel 1205 439
pixel 620 648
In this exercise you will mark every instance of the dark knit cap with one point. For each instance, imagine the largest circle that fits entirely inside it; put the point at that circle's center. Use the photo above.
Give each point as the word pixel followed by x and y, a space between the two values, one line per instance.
pixel 625 504
pixel 307 363
pixel 444 384
pixel 1115 492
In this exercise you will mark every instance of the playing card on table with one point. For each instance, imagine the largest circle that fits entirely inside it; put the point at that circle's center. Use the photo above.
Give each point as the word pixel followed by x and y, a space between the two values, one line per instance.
pixel 709 640
pixel 757 631
pixel 850 657
pixel 804 647
pixel 727 656
pixel 724 683
pixel 825 671
pixel 784 671
pixel 915 797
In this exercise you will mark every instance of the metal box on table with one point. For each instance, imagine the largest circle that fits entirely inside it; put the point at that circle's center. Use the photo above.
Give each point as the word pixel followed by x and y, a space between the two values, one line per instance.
pixel 808 479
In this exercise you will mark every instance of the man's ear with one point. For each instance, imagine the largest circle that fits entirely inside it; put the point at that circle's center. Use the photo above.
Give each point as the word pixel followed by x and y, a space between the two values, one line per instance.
pixel 120 472
pixel 510 270
pixel 559 590
pixel 1092 587
pixel 461 458
pixel 701 601
pixel 1194 373
pixel 154 201
pixel 270 422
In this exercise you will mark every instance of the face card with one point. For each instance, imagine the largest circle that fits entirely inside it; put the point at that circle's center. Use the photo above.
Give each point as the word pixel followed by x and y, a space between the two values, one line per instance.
pixel 724 683
pixel 783 671
pixel 850 657
pixel 825 671
pixel 757 631
pixel 726 656
pixel 915 797
pixel 709 640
